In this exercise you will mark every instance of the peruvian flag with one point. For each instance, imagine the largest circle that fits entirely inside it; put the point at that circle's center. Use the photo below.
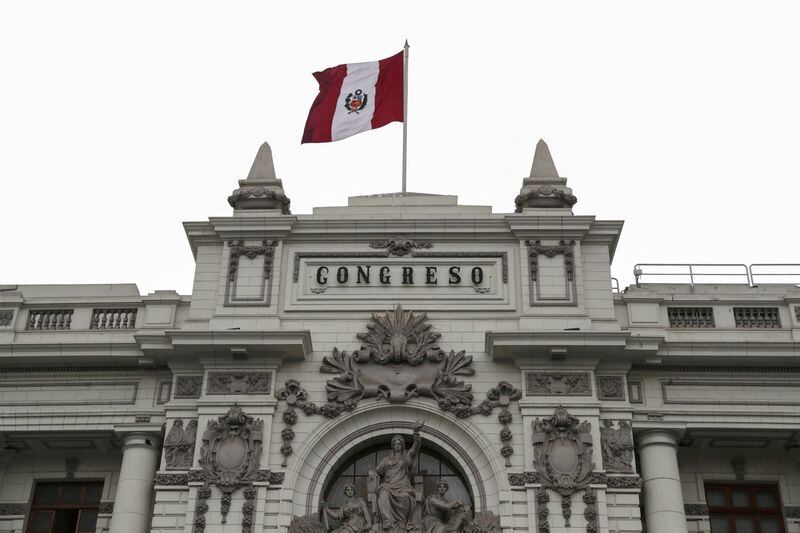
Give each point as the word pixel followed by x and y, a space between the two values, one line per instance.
pixel 356 97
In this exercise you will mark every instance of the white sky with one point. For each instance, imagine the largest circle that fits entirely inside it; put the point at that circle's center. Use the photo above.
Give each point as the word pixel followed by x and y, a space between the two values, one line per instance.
pixel 120 120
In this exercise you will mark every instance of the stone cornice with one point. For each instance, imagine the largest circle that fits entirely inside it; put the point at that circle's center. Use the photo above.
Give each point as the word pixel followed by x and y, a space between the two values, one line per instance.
pixel 504 345
pixel 282 344
pixel 549 227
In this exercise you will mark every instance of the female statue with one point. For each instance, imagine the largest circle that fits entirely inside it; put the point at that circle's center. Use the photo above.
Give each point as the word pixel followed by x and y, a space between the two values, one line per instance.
pixel 390 483
pixel 441 515
pixel 353 514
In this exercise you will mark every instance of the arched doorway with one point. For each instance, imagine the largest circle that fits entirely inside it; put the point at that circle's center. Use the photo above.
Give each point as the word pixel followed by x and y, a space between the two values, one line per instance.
pixel 432 464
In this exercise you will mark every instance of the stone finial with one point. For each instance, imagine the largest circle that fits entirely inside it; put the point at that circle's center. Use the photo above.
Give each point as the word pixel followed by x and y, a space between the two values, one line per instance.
pixel 261 189
pixel 544 189
pixel 543 166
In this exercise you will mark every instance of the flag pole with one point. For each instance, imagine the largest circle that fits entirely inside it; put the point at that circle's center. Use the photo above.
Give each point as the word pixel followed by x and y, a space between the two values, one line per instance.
pixel 405 111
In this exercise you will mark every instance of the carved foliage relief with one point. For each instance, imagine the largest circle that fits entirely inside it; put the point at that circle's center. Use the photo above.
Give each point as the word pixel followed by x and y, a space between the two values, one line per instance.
pixel 239 383
pixel 558 384
pixel 400 245
pixel 188 386
pixel 399 360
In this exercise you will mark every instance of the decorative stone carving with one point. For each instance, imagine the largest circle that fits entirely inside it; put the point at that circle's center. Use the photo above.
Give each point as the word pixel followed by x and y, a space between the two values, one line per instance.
pixel 268 476
pixel 790 511
pixel 179 445
pixel 700 509
pixel 611 387
pixel 590 510
pixel 542 510
pixel 441 515
pixel 353 514
pixel 397 338
pixel 558 198
pixel 105 508
pixel 13 509
pixel 485 522
pixel 6 315
pixel 523 478
pixel 563 454
pixel 239 383
pixel 238 249
pixel 617 446
pixel 188 386
pixel 624 482
pixel 306 524
pixel 261 193
pixel 535 249
pixel 558 384
pixel 230 456
pixel 797 312
pixel 171 480
pixel 400 245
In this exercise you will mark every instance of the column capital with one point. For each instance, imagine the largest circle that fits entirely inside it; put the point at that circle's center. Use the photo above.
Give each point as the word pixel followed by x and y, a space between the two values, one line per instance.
pixel 139 435
pixel 663 436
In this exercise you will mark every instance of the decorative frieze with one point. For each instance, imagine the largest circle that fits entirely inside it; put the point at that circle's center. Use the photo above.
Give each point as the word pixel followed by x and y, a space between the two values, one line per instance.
pixel 624 482
pixel 179 445
pixel 49 319
pixel 188 386
pixel 695 509
pixel 13 509
pixel 6 316
pixel 239 383
pixel 558 384
pixel 610 387
pixel 171 480
pixel 105 508
pixel 400 245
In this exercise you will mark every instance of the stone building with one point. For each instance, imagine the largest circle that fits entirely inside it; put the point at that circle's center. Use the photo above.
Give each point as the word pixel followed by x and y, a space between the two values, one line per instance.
pixel 267 400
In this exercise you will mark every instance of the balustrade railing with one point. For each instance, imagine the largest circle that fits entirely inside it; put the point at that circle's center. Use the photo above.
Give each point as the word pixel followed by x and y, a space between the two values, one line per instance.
pixel 690 317
pixel 756 317
pixel 49 319
pixel 113 319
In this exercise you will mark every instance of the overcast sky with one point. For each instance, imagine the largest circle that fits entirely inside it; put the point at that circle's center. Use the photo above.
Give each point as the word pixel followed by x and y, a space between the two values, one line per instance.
pixel 120 120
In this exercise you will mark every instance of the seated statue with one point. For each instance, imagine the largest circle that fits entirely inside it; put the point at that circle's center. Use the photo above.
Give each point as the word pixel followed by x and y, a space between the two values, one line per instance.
pixel 442 515
pixel 353 514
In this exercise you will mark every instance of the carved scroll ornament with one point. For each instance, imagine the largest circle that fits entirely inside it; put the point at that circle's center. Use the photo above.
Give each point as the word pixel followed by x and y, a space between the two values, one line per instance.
pixel 230 459
pixel 400 245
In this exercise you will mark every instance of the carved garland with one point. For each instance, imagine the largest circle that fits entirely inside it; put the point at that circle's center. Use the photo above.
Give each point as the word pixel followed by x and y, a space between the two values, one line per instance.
pixel 400 359
pixel 535 248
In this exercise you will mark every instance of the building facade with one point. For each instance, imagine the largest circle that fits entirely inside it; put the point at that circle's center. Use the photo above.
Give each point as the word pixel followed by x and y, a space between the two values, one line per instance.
pixel 403 363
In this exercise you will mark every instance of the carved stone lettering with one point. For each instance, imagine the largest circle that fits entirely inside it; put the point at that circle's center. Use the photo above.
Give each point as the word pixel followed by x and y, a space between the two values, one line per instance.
pixel 188 386
pixel 611 387
pixel 563 454
pixel 239 383
pixel 558 384
pixel 179 445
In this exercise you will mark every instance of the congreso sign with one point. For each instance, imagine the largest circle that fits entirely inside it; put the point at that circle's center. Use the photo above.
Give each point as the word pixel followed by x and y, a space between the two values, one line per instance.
pixel 404 364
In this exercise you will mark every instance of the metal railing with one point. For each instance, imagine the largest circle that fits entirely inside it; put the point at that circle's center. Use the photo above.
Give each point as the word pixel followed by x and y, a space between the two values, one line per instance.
pixel 735 273
pixel 615 285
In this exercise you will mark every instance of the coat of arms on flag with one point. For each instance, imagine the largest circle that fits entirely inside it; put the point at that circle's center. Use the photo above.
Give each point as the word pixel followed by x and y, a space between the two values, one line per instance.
pixel 356 97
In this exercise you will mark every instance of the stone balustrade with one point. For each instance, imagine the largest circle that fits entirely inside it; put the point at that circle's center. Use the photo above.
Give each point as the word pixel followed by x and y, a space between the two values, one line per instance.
pixel 49 319
pixel 113 319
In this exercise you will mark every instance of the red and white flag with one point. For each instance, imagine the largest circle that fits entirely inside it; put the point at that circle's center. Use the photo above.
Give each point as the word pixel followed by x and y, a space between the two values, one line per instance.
pixel 356 97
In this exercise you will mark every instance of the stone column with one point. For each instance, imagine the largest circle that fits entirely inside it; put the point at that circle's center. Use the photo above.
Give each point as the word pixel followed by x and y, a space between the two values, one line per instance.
pixel 663 498
pixel 134 498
